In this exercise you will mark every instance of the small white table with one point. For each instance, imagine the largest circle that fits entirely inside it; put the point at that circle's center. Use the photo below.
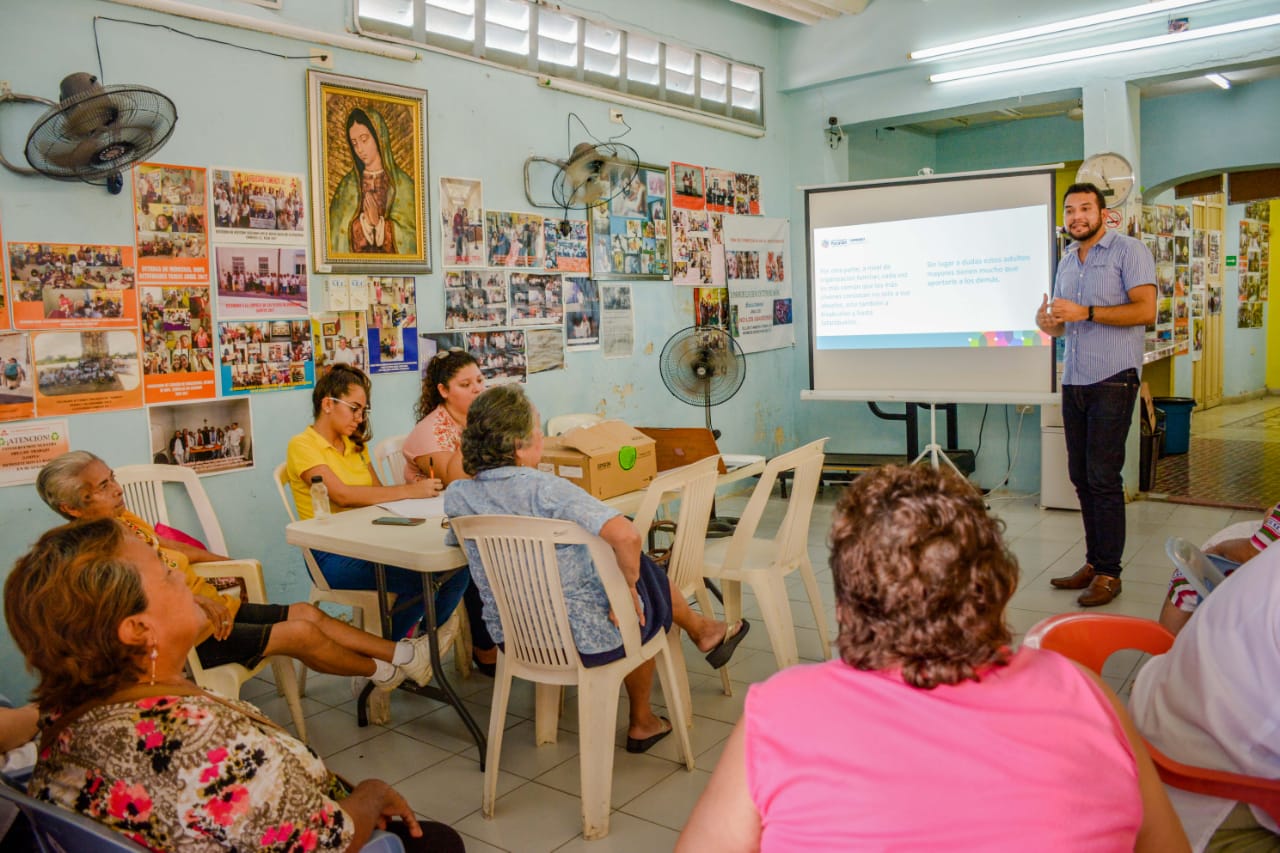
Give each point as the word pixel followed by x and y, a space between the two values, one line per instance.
pixel 420 549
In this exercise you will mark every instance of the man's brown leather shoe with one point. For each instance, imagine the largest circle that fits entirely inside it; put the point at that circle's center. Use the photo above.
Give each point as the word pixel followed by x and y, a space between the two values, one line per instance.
pixel 1103 589
pixel 1081 579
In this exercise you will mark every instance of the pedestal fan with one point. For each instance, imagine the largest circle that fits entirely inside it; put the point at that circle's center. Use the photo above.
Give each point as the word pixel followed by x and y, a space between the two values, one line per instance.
pixel 703 366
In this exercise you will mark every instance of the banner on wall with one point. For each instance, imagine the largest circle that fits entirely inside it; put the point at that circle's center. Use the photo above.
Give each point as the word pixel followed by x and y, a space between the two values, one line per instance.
pixel 26 448
pixel 171 219
pixel 177 344
pixel 757 255
pixel 17 380
pixel 72 286
pixel 264 208
pixel 259 282
pixel 88 371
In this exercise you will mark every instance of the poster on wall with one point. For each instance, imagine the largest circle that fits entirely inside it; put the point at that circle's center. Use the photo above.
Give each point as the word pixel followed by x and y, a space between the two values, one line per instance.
pixel 72 286
pixel 172 219
pixel 581 313
pixel 514 239
pixel 4 293
pixel 274 355
pixel 462 222
pixel 711 308
pixel 687 187
pixel 617 321
pixel 501 355
pixel 546 349
pixel 630 236
pixel 260 282
pixel 177 344
pixel 536 299
pixel 393 324
pixel 340 338
pixel 208 437
pixel 697 248
pixel 566 252
pixel 17 394
pixel 369 181
pixel 431 344
pixel 26 448
pixel 475 299
pixel 757 255
pixel 88 371
pixel 262 208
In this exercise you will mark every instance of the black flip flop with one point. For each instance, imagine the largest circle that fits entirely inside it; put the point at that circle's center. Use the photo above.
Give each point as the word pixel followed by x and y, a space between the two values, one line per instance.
pixel 637 744
pixel 719 656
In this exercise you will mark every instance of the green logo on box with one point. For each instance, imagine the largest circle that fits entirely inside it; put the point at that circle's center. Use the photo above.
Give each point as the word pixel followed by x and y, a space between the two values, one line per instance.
pixel 627 457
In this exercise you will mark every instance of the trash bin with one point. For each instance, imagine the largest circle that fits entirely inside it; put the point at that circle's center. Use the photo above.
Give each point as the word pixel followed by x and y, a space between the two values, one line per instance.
pixel 1148 453
pixel 1177 428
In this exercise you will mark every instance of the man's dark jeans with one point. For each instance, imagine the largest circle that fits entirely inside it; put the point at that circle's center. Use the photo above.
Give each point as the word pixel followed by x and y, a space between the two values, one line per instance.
pixel 1095 420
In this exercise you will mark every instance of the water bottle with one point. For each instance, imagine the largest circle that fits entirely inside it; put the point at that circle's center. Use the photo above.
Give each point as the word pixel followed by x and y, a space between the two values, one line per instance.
pixel 319 498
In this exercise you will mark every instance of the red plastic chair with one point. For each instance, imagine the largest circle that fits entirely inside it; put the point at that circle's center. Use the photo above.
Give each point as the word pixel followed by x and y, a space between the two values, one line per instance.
pixel 1089 639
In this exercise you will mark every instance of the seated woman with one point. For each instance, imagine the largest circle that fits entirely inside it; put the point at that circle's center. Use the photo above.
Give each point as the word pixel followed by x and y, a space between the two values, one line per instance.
pixel 128 741
pixel 501 448
pixel 929 732
pixel 333 448
pixel 433 451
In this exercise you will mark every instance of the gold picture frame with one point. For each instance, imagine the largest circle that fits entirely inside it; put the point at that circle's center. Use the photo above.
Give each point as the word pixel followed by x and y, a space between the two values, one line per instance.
pixel 370 209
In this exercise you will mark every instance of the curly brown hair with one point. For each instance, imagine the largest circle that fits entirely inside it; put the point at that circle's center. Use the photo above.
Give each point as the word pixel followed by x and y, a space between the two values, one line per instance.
pixel 499 422
pixel 922 576
pixel 442 367
pixel 64 602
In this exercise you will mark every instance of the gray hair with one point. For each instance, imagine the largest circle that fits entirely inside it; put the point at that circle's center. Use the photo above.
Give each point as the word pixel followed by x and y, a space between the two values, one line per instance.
pixel 499 422
pixel 59 481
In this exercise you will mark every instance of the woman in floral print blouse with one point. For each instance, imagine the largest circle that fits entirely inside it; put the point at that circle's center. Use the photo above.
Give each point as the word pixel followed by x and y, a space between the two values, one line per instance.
pixel 128 741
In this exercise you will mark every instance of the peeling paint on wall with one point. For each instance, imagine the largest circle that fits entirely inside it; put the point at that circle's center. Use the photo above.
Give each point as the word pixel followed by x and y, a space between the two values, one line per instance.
pixel 779 438
pixel 623 392
pixel 648 348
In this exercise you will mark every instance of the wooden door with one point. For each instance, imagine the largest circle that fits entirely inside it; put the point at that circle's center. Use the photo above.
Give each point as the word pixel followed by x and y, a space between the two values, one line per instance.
pixel 1209 218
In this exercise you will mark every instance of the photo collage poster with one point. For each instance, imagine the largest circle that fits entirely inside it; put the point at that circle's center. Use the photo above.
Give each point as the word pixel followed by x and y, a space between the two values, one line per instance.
pixel 265 355
pixel 501 354
pixel 1252 265
pixel 1157 222
pixel 392 319
pixel 757 256
pixel 630 234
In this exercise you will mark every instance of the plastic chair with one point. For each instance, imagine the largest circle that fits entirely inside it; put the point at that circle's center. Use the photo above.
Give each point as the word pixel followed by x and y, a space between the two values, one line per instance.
pixel 1091 638
pixel 563 423
pixel 1197 568
pixel 388 461
pixel 363 602
pixel 764 563
pixel 518 557
pixel 59 830
pixel 695 485
pixel 144 494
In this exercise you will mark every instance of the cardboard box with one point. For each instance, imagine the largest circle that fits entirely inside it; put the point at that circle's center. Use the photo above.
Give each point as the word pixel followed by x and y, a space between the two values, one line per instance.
pixel 606 459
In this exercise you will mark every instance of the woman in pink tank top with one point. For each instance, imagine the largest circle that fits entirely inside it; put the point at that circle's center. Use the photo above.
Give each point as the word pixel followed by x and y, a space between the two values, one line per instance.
pixel 929 732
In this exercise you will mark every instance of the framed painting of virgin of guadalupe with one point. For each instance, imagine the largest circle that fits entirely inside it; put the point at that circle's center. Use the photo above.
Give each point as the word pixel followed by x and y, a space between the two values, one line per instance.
pixel 369 202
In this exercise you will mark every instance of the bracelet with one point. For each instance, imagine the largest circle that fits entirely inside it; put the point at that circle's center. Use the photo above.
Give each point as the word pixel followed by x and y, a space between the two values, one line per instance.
pixel 1090 313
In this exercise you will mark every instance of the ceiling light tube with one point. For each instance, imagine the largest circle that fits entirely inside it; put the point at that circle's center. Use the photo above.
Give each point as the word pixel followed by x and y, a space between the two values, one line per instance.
pixel 1106 49
pixel 1218 80
pixel 271 27
pixel 573 87
pixel 1128 12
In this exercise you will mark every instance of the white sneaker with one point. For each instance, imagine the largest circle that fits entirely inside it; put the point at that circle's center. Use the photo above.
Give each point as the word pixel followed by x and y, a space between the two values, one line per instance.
pixel 419 666
pixel 398 675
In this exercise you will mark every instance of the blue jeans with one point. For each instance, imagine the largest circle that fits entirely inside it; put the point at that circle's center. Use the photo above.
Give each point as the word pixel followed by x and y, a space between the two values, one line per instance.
pixel 353 573
pixel 1095 421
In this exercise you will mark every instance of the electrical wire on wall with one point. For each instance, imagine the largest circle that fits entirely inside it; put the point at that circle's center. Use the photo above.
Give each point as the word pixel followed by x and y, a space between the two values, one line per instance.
pixel 98 49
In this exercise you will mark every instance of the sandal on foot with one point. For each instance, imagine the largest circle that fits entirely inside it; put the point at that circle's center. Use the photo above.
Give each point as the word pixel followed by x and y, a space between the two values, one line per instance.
pixel 642 744
pixel 719 656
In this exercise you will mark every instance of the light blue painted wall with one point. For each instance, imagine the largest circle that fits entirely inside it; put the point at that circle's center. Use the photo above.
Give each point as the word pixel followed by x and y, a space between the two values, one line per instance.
pixel 881 152
pixel 1027 142
pixel 247 110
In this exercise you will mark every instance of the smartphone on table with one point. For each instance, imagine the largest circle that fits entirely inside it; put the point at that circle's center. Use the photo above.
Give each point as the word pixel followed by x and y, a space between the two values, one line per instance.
pixel 398 521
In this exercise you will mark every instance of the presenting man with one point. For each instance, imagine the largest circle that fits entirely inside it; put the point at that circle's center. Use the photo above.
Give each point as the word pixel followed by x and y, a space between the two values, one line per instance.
pixel 1104 294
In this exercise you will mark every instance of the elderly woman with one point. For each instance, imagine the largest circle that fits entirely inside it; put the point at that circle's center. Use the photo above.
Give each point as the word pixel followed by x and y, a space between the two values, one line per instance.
pixel 131 743
pixel 929 732
pixel 501 448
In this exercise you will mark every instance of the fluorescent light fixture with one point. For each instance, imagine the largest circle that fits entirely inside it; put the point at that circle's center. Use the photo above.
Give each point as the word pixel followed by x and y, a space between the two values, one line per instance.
pixel 573 87
pixel 1218 80
pixel 1128 12
pixel 1107 49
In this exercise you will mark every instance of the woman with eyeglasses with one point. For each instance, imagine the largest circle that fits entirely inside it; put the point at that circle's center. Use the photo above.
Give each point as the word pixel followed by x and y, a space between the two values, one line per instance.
pixel 334 449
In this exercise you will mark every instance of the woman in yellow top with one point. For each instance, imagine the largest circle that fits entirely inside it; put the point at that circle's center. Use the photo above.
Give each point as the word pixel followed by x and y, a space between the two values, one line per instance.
pixel 334 449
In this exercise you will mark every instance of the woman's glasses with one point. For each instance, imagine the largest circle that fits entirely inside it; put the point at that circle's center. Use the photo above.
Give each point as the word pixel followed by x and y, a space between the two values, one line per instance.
pixel 356 409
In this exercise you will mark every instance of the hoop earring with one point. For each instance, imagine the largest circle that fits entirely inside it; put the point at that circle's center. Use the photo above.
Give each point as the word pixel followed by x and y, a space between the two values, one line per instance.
pixel 154 654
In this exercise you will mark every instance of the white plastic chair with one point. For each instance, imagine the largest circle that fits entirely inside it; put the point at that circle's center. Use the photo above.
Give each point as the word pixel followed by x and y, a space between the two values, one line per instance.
pixel 561 424
pixel 765 563
pixel 518 557
pixel 1197 568
pixel 363 602
pixel 144 494
pixel 388 461
pixel 695 486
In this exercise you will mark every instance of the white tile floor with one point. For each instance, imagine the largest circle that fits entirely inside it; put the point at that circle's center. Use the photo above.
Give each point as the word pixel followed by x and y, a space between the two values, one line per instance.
pixel 427 754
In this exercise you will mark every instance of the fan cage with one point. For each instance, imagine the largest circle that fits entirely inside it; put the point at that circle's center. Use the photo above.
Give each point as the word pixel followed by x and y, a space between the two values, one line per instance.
pixel 700 346
pixel 95 135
